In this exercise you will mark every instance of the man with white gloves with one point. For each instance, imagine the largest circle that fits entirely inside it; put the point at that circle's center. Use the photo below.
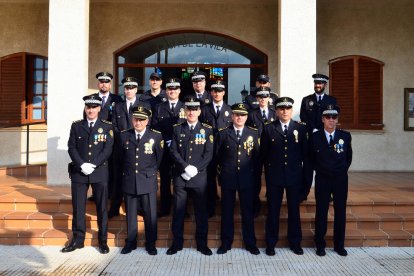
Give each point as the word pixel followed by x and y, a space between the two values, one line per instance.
pixel 191 149
pixel 90 145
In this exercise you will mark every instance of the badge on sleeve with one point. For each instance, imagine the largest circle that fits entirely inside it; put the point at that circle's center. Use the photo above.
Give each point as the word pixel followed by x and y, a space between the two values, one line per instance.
pixel 211 139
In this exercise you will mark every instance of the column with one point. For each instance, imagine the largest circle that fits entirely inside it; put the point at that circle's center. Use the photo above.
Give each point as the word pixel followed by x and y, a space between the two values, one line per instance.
pixel 297 49
pixel 67 80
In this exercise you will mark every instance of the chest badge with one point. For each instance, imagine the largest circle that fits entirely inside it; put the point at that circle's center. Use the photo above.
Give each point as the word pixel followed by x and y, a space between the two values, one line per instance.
pixel 100 130
pixel 296 133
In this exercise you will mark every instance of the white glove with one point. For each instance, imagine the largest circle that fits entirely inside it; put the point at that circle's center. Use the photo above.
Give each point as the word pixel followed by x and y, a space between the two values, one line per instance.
pixel 185 176
pixel 191 170
pixel 168 143
pixel 88 168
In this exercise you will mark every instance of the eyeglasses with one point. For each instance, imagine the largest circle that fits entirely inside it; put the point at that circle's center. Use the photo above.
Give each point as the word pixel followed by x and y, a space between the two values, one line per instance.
pixel 331 117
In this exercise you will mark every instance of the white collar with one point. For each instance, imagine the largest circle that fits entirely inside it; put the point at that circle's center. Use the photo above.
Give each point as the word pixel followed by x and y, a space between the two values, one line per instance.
pixel 283 124
pixel 140 133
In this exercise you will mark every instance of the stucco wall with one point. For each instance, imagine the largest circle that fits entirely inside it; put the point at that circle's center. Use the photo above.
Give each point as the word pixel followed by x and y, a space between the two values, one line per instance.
pixel 381 29
pixel 24 28
pixel 113 26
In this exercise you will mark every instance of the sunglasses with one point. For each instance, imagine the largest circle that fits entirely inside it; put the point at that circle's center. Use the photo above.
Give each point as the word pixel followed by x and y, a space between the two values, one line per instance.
pixel 104 81
pixel 329 117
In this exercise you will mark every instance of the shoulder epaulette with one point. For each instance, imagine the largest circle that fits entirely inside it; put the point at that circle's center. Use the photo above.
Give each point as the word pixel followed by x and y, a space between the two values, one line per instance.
pixel 107 122
pixel 343 130
pixel 156 131
pixel 178 124
pixel 252 128
pixel 124 130
pixel 77 121
pixel 223 128
pixel 268 123
pixel 206 125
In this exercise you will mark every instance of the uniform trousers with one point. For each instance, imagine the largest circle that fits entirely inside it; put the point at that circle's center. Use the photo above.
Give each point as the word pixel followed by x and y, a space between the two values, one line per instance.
pixel 147 203
pixel 165 181
pixel 274 201
pixel 228 199
pixel 79 196
pixel 200 212
pixel 325 186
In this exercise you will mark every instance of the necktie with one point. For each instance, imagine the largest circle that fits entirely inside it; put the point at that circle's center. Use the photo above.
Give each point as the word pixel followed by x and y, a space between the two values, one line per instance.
pixel 264 115
pixel 285 132
pixel 218 110
pixel 103 101
pixel 90 125
pixel 319 99
pixel 130 107
pixel 191 128
pixel 198 96
pixel 172 107
pixel 331 142
pixel 238 135
pixel 138 138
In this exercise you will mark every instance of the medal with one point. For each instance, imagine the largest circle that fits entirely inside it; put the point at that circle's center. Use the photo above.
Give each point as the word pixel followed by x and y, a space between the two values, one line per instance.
pixel 296 133
pixel 100 130
pixel 226 113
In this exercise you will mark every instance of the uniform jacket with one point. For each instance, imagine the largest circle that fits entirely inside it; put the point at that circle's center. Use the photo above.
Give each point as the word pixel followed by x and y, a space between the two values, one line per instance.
pixel 164 119
pixel 209 116
pixel 90 146
pixel 121 118
pixel 311 111
pixel 329 160
pixel 205 99
pixel 195 149
pixel 140 161
pixel 255 118
pixel 237 161
pixel 285 158
pixel 107 110
pixel 251 101
pixel 153 101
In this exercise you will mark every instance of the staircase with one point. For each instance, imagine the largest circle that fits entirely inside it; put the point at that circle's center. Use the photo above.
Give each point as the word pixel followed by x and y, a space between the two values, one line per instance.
pixel 35 214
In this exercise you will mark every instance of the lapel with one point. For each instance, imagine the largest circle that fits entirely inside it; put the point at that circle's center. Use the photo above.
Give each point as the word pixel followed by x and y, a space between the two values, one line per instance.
pixel 108 100
pixel 279 128
pixel 233 133
pixel 124 107
pixel 85 126
pixel 243 138
pixel 272 115
pixel 131 137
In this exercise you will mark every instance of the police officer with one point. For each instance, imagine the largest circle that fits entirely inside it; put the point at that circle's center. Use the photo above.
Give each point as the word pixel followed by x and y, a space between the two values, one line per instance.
pixel 237 153
pixel 216 114
pixel 90 145
pixel 261 81
pixel 166 115
pixel 121 120
pixel 199 85
pixel 313 104
pixel 191 150
pixel 141 151
pixel 285 154
pixel 257 119
pixel 108 103
pixel 331 153
pixel 108 99
pixel 155 95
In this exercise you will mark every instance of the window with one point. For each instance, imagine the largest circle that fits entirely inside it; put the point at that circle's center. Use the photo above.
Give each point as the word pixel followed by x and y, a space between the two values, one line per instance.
pixel 179 54
pixel 356 82
pixel 23 89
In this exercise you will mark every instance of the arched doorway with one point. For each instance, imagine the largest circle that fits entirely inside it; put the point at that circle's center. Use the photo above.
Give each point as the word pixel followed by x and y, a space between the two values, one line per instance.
pixel 178 54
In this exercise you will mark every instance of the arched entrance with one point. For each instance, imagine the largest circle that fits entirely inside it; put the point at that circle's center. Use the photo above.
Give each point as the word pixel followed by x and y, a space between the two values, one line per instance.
pixel 178 54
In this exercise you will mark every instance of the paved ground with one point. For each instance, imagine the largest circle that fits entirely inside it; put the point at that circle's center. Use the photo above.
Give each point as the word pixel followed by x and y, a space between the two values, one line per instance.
pixel 47 260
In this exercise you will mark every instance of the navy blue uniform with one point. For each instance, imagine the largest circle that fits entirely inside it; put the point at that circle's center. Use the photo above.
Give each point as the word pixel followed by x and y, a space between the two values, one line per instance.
pixel 311 111
pixel 205 98
pixel 331 164
pixel 222 120
pixel 191 148
pixel 163 120
pixel 153 101
pixel 237 161
pixel 107 110
pixel 89 146
pixel 140 162
pixel 121 120
pixel 285 157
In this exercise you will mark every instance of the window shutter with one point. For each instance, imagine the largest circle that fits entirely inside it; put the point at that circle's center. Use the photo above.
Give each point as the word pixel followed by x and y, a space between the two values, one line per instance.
pixel 369 94
pixel 13 90
pixel 342 88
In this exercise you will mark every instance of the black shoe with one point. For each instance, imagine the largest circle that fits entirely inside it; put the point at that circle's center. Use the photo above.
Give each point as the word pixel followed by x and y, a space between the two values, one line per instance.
pixel 297 250
pixel 320 252
pixel 112 213
pixel 72 246
pixel 223 249
pixel 270 251
pixel 103 248
pixel 128 248
pixel 204 250
pixel 341 252
pixel 91 198
pixel 174 249
pixel 152 251
pixel 253 250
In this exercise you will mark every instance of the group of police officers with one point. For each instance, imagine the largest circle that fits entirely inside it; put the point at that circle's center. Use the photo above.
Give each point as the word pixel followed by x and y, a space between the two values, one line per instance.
pixel 121 144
